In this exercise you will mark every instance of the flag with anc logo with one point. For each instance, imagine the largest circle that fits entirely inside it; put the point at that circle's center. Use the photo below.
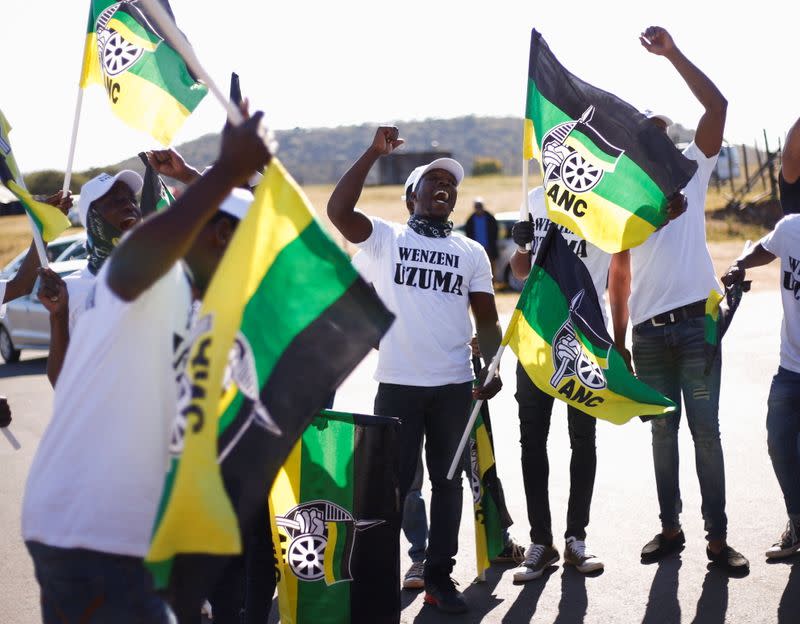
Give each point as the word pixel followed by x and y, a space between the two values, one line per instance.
pixel 608 171
pixel 5 148
pixel 48 220
pixel 155 194
pixel 560 338
pixel 336 523
pixel 488 501
pixel 285 319
pixel 719 314
pixel 148 84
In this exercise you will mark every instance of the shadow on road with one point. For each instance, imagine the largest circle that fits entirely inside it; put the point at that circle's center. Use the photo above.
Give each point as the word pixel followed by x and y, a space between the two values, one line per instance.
pixel 479 596
pixel 574 603
pixel 713 602
pixel 36 366
pixel 524 606
pixel 789 606
pixel 662 603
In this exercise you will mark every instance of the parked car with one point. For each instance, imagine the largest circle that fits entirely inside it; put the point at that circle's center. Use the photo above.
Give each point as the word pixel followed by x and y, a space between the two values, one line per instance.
pixel 70 247
pixel 26 322
pixel 505 249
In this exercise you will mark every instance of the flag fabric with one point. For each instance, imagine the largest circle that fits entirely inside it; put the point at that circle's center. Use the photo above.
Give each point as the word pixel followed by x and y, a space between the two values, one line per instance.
pixel 48 220
pixel 560 338
pixel 155 194
pixel 719 314
pixel 336 523
pixel 5 148
pixel 148 84
pixel 488 501
pixel 608 171
pixel 286 318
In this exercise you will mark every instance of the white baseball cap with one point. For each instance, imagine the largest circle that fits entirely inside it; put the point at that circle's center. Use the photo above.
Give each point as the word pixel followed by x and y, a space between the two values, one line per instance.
pixel 448 164
pixel 654 115
pixel 100 185
pixel 237 203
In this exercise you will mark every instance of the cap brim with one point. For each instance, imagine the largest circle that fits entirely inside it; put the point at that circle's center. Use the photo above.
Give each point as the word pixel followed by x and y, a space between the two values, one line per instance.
pixel 448 164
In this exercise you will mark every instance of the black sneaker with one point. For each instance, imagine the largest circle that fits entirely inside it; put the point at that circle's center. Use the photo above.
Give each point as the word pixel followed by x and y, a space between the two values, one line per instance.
pixel 730 559
pixel 512 553
pixel 788 544
pixel 661 546
pixel 441 592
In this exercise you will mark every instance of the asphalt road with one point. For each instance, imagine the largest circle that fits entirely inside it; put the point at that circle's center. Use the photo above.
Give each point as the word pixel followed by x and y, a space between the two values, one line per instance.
pixel 683 588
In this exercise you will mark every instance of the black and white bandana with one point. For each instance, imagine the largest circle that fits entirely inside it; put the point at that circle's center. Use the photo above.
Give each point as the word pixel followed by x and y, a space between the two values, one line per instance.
pixel 101 238
pixel 430 228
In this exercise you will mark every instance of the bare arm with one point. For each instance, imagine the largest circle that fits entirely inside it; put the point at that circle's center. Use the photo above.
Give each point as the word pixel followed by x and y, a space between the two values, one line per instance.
pixel 170 163
pixel 619 289
pixel 354 225
pixel 712 123
pixel 151 249
pixel 22 283
pixel 490 335
pixel 53 295
pixel 522 234
pixel 790 164
pixel 754 257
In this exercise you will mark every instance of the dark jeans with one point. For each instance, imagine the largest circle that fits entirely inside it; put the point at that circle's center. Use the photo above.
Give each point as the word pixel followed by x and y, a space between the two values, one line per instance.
pixel 89 587
pixel 671 359
pixel 783 433
pixel 535 408
pixel 415 520
pixel 439 413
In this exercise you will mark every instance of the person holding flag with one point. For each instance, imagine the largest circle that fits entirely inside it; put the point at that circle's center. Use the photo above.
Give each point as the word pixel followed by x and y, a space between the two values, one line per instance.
pixel 95 483
pixel 430 281
pixel 672 274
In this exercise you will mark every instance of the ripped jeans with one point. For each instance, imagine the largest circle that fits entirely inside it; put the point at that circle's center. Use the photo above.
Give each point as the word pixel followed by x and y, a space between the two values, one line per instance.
pixel 671 359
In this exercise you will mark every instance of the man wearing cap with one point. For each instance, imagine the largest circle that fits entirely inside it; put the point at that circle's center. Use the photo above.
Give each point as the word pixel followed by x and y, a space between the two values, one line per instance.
pixel 481 226
pixel 672 276
pixel 431 281
pixel 95 483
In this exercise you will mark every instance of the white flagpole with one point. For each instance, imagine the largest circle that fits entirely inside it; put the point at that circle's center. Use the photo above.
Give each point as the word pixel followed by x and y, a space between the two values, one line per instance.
pixel 12 440
pixel 73 141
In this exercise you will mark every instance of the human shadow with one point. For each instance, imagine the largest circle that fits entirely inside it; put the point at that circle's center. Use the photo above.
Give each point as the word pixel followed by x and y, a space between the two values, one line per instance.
pixel 789 606
pixel 524 607
pixel 713 602
pixel 35 366
pixel 662 602
pixel 574 603
pixel 479 596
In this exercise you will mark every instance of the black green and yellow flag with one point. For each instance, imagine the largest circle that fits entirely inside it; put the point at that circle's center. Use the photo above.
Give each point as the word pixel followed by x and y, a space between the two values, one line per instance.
pixel 719 314
pixel 488 501
pixel 148 84
pixel 608 171
pixel 5 148
pixel 560 338
pixel 155 194
pixel 48 220
pixel 336 523
pixel 285 319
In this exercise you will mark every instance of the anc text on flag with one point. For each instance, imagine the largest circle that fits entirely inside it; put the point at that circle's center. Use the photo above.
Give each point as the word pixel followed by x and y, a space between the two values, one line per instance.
pixel 336 523
pixel 608 170
pixel 286 318
pixel 560 338
pixel 148 84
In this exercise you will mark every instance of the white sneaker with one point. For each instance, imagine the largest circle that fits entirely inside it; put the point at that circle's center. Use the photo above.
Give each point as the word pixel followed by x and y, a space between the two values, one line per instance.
pixel 537 559
pixel 575 554
pixel 415 576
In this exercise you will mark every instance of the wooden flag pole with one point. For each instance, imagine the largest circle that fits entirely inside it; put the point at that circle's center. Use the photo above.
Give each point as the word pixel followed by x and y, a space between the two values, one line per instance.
pixel 73 140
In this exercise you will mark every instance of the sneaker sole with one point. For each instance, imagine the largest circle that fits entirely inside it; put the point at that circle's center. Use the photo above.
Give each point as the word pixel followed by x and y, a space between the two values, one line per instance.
pixel 413 584
pixel 587 568
pixel 523 577
pixel 782 554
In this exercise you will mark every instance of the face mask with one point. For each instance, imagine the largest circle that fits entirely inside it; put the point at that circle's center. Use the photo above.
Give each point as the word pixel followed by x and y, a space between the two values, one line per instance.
pixel 101 238
pixel 430 228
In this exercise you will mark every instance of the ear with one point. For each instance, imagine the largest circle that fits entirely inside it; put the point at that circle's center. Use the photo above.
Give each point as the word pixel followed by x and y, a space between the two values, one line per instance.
pixel 223 232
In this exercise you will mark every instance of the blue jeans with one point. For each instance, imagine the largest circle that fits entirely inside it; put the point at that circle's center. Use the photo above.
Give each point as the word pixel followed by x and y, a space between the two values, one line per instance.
pixel 90 587
pixel 415 520
pixel 671 359
pixel 783 434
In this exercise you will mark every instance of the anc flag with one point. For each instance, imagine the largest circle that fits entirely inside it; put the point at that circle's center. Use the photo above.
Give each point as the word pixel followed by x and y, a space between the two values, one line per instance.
pixel 719 314
pixel 155 194
pixel 286 318
pixel 488 500
pixel 560 338
pixel 148 84
pixel 5 148
pixel 608 170
pixel 336 523
pixel 49 220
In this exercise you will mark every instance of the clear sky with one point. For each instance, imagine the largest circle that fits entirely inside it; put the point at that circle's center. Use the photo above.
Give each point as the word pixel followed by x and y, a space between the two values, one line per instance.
pixel 313 63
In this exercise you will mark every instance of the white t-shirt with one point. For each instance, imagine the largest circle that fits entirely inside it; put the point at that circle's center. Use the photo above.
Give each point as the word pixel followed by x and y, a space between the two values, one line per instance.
pixel 79 285
pixel 426 283
pixel 2 290
pixel 362 264
pixel 99 470
pixel 594 259
pixel 784 242
pixel 673 267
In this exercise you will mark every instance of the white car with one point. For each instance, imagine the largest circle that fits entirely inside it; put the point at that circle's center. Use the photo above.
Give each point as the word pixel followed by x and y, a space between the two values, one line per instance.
pixel 70 247
pixel 26 322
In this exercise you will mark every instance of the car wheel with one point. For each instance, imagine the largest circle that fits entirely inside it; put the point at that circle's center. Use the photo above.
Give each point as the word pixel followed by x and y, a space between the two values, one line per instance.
pixel 513 283
pixel 7 350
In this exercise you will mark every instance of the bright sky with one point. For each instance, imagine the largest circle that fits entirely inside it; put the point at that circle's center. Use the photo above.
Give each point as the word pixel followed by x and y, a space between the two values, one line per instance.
pixel 314 63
